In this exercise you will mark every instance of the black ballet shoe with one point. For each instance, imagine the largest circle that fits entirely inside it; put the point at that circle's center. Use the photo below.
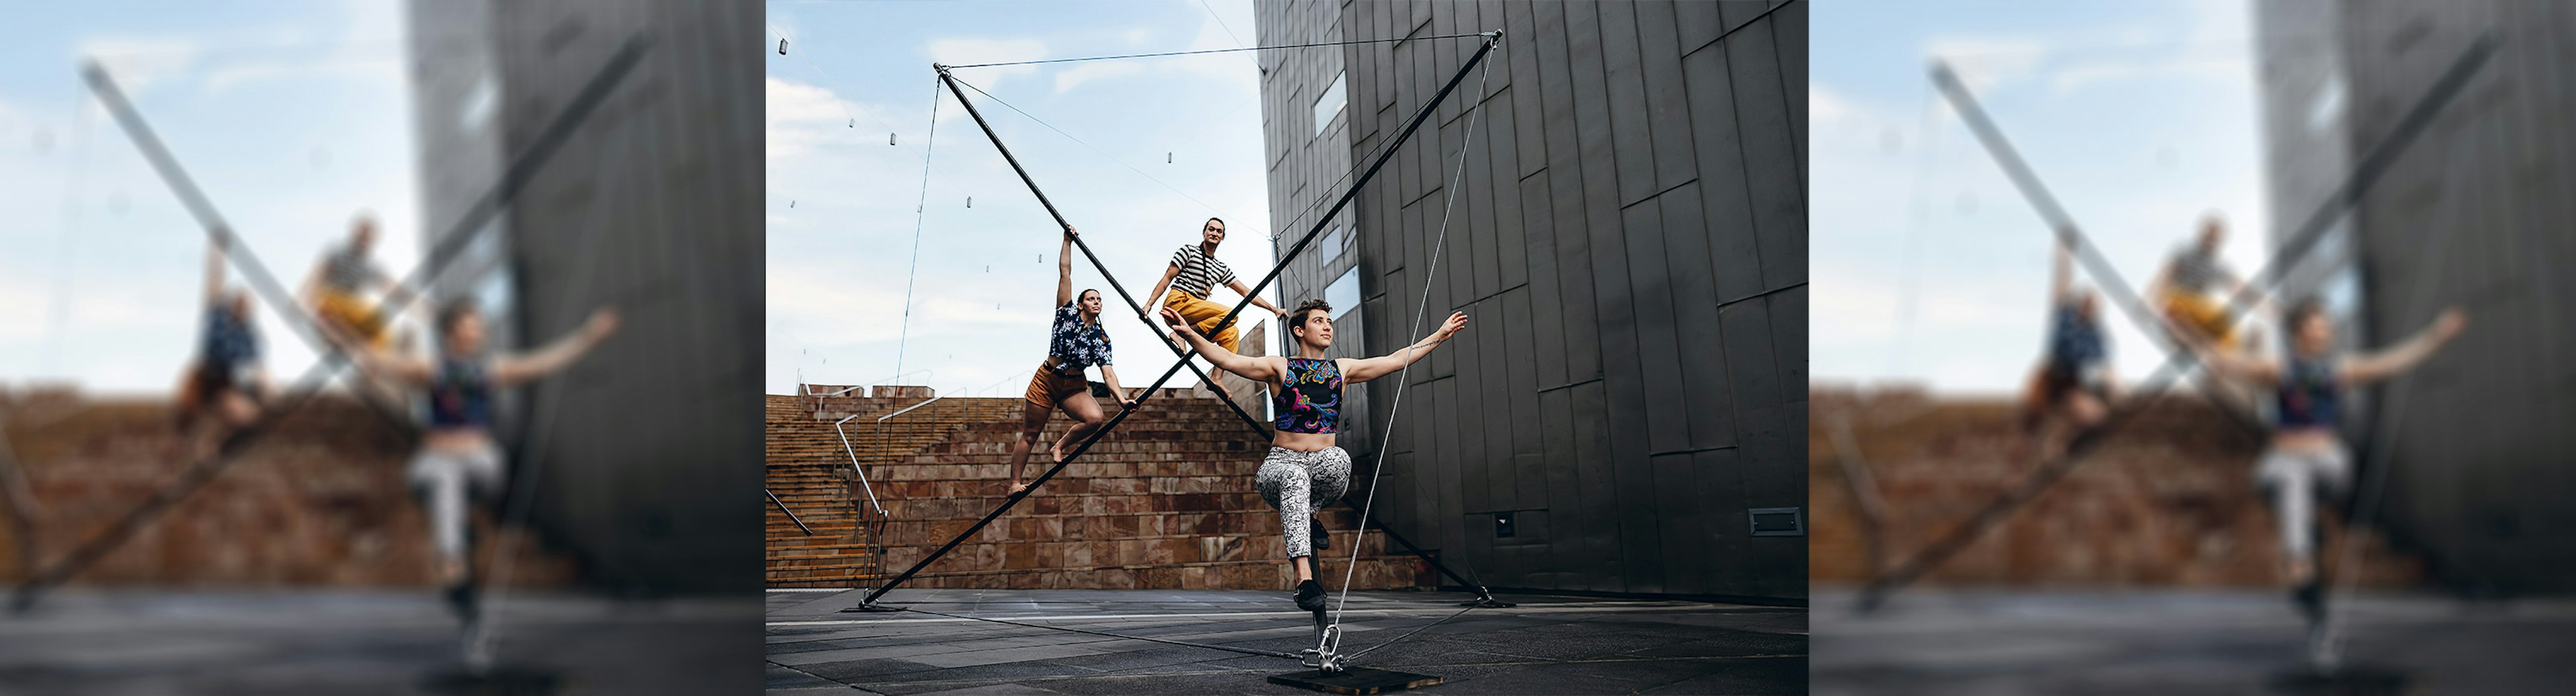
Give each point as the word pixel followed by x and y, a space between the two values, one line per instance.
pixel 1310 595
pixel 2310 599
pixel 460 601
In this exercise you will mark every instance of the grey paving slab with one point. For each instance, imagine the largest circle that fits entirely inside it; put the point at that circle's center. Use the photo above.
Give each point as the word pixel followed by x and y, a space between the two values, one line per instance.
pixel 1962 642
pixel 85 641
pixel 1547 645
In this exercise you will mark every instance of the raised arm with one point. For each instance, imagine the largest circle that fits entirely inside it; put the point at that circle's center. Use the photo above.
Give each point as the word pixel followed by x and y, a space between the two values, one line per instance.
pixel 1261 369
pixel 214 271
pixel 1064 269
pixel 2384 364
pixel 558 355
pixel 1365 369
pixel 2061 268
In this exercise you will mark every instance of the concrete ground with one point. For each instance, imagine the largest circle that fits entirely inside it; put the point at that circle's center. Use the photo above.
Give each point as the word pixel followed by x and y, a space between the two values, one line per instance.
pixel 373 642
pixel 2166 642
pixel 1550 645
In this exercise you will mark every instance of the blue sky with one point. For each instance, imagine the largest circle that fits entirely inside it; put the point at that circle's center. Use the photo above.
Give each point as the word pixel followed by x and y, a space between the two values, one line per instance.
pixel 841 213
pixel 292 116
pixel 1928 266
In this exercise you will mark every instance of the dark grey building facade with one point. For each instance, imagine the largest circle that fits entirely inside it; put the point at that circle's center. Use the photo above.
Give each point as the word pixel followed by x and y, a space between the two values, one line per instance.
pixel 1629 236
pixel 2477 213
pixel 649 450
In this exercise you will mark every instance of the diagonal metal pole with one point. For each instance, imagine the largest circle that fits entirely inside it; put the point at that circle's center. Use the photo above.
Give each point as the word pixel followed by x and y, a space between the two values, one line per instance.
pixel 2037 193
pixel 2305 237
pixel 307 326
pixel 471 225
pixel 1094 437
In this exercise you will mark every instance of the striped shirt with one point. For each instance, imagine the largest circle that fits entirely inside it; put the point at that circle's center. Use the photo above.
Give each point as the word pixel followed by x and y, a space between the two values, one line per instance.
pixel 1199 272
pixel 348 271
pixel 2196 270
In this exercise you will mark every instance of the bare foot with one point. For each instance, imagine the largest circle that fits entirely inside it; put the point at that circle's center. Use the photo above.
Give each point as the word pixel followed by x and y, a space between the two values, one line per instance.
pixel 1016 487
pixel 1055 452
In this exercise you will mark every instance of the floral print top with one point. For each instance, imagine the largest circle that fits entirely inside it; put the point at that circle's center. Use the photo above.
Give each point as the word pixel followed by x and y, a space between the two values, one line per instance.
pixel 1075 346
pixel 1311 398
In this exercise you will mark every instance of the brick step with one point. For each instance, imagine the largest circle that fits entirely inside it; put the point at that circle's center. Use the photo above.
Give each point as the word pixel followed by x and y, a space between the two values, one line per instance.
pixel 2168 500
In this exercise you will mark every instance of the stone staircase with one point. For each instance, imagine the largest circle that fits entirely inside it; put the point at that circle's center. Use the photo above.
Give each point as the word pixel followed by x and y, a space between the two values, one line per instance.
pixel 1165 502
pixel 319 501
pixel 2168 501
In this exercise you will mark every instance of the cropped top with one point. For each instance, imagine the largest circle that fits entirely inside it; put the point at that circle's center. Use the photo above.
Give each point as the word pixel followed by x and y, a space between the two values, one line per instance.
pixel 460 395
pixel 1310 399
pixel 2309 397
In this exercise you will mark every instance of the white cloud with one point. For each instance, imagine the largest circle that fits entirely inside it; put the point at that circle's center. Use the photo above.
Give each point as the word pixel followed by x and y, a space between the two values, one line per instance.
pixel 1824 105
pixel 138 63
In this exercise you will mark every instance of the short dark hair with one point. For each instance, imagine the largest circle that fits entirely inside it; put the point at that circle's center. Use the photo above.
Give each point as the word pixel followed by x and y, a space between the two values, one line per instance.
pixel 1297 317
pixel 2301 311
pixel 1219 221
pixel 454 310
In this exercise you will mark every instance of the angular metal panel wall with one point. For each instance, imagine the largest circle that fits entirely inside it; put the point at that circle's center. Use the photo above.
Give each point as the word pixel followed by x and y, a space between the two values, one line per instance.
pixel 653 447
pixel 1629 234
pixel 2475 213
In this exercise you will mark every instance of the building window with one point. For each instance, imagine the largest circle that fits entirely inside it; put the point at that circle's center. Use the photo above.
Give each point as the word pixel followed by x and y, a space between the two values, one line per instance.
pixel 1329 105
pixel 1332 244
pixel 1343 294
pixel 2325 110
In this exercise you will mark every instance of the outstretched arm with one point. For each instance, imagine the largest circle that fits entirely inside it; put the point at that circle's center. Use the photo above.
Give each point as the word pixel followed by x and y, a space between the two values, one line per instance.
pixel 1064 269
pixel 411 372
pixel 1155 299
pixel 1261 369
pixel 2233 365
pixel 558 355
pixel 2406 355
pixel 1365 369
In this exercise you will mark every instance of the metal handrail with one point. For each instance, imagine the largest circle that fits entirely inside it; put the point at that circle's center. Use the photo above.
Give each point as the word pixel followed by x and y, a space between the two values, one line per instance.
pixel 809 389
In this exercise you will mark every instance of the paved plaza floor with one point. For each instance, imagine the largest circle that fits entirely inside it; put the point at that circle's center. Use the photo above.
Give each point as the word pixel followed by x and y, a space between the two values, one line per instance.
pixel 1546 645
pixel 2168 642
pixel 81 641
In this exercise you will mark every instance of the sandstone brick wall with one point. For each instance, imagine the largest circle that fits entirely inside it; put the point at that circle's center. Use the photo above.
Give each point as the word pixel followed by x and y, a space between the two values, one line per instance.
pixel 2169 501
pixel 320 501
pixel 1166 501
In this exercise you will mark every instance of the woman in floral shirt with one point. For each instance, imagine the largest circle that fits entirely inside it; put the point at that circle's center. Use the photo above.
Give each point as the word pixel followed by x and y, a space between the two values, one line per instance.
pixel 1077 341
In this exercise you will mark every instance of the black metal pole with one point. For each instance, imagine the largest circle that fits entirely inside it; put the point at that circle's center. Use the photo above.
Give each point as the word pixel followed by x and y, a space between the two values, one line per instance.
pixel 2366 173
pixel 1104 428
pixel 467 227
pixel 791 514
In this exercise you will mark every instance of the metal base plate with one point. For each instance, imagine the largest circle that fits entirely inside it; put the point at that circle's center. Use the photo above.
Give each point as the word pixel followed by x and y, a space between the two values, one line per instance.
pixel 2348 681
pixel 1356 680
pixel 870 609
pixel 498 680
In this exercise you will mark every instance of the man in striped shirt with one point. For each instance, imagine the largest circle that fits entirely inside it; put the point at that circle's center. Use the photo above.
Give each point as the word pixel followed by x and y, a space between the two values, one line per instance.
pixel 1193 273
pixel 2190 288
pixel 339 287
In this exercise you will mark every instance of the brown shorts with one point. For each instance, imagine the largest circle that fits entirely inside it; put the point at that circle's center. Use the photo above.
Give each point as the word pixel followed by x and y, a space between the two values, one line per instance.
pixel 1047 388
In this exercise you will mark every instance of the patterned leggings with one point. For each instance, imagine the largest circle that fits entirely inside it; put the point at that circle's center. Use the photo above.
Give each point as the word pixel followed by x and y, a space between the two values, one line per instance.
pixel 1299 483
